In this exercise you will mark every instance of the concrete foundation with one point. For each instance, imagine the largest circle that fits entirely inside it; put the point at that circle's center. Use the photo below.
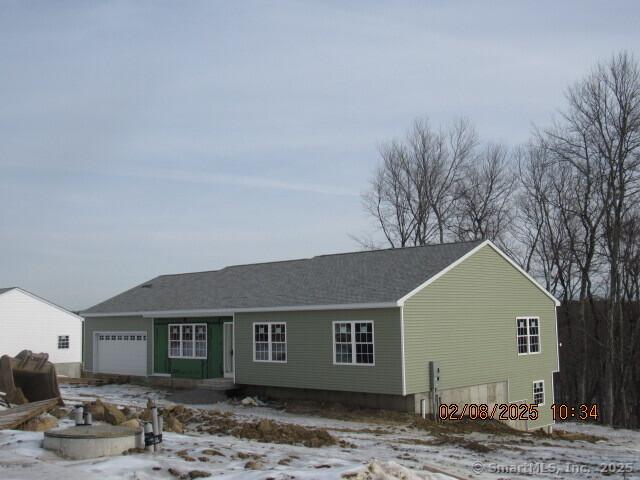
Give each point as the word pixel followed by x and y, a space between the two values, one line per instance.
pixel 166 381
pixel 72 369
pixel 364 400
pixel 79 443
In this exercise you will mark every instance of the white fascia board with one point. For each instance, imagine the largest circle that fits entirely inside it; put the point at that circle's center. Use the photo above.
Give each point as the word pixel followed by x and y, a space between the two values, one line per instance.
pixel 231 311
pixel 467 255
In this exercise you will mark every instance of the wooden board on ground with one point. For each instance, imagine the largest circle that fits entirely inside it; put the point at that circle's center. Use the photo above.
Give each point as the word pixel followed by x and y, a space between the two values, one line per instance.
pixel 16 416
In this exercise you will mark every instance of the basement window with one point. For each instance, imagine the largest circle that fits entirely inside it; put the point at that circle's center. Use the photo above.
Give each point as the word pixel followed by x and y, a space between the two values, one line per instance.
pixel 63 341
pixel 188 340
pixel 538 392
pixel 270 342
pixel 353 343
pixel 528 335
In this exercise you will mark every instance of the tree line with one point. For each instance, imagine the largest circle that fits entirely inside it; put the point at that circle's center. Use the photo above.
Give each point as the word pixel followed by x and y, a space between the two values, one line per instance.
pixel 565 205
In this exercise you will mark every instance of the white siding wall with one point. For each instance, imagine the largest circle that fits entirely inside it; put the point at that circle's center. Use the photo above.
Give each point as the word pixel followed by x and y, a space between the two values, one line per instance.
pixel 27 323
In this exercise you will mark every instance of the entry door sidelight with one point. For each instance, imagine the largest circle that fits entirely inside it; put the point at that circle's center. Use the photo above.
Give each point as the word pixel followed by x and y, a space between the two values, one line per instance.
pixel 228 349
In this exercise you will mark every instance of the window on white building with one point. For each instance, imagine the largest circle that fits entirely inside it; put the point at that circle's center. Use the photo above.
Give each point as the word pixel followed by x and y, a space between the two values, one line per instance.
pixel 63 341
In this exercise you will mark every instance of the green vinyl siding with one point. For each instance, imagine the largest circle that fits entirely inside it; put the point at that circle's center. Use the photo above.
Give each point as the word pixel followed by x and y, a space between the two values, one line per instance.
pixel 466 320
pixel 211 367
pixel 310 352
pixel 114 324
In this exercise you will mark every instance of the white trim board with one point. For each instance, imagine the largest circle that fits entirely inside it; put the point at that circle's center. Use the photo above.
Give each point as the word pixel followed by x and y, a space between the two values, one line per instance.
pixel 229 312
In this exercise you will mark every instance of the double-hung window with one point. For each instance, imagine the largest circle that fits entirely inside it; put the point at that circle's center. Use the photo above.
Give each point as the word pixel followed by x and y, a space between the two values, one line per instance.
pixel 538 392
pixel 353 343
pixel 528 335
pixel 188 340
pixel 63 341
pixel 270 342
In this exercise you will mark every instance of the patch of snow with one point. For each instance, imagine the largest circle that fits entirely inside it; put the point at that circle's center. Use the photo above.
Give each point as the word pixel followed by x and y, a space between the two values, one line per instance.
pixel 380 451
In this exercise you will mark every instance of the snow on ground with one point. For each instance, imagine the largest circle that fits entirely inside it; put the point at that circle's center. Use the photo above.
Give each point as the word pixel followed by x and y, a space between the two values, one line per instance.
pixel 375 450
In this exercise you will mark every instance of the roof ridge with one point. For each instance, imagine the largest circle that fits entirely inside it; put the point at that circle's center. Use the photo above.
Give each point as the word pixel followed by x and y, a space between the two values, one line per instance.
pixel 234 266
pixel 401 248
pixel 198 272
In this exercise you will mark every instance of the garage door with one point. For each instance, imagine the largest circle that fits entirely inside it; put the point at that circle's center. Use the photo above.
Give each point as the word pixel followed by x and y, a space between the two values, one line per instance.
pixel 121 352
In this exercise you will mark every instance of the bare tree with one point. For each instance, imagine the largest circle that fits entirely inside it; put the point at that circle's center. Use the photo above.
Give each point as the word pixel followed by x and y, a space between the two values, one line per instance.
pixel 606 106
pixel 390 199
pixel 484 198
pixel 414 193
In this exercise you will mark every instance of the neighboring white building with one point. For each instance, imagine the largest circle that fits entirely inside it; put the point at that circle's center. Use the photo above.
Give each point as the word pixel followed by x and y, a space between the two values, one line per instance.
pixel 28 322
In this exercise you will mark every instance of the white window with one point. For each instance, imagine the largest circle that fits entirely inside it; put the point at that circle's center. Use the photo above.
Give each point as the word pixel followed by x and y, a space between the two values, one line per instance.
pixel 63 341
pixel 270 342
pixel 528 335
pixel 538 392
pixel 187 340
pixel 353 343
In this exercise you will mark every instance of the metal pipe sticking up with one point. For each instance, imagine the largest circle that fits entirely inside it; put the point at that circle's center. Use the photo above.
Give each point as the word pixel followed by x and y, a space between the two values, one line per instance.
pixel 78 415
pixel 155 425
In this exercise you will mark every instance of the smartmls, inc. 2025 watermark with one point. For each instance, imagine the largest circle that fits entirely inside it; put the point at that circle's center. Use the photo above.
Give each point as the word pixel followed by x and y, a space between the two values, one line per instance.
pixel 549 468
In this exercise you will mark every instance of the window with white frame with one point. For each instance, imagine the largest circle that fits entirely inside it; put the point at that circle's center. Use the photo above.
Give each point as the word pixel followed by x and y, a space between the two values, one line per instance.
pixel 353 343
pixel 63 341
pixel 538 392
pixel 528 335
pixel 188 340
pixel 270 342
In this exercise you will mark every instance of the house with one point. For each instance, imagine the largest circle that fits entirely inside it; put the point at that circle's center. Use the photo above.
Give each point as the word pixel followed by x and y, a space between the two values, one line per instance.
pixel 357 327
pixel 29 322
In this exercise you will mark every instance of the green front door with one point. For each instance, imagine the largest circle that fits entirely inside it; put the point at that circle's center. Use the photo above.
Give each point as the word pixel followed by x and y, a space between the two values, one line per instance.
pixel 209 367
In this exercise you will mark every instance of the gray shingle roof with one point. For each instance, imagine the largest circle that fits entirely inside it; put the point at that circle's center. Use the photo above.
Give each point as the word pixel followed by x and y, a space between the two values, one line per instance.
pixel 378 276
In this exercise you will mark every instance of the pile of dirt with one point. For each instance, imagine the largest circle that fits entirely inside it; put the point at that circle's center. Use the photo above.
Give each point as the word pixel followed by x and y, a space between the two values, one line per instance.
pixel 273 432
pixel 463 426
pixel 569 436
pixel 338 411
pixel 178 418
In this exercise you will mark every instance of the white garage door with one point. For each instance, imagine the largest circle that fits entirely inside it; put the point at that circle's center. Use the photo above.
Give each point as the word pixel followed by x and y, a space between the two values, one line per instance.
pixel 121 352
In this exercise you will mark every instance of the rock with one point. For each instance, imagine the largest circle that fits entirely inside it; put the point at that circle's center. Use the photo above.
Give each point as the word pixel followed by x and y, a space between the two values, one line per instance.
pixel 59 412
pixel 249 401
pixel 213 453
pixel 41 423
pixel 198 474
pixel 253 465
pixel 134 424
pixel 175 473
pixel 97 410
pixel 112 415
pixel 172 424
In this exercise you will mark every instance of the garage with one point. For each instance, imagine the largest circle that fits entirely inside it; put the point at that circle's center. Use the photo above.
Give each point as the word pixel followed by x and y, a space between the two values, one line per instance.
pixel 123 353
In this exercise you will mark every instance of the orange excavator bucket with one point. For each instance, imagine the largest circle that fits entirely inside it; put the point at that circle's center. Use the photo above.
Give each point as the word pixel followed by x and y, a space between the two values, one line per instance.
pixel 28 377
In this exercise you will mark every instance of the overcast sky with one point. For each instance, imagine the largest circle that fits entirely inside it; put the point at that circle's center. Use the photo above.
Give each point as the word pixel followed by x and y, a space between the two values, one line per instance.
pixel 141 138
